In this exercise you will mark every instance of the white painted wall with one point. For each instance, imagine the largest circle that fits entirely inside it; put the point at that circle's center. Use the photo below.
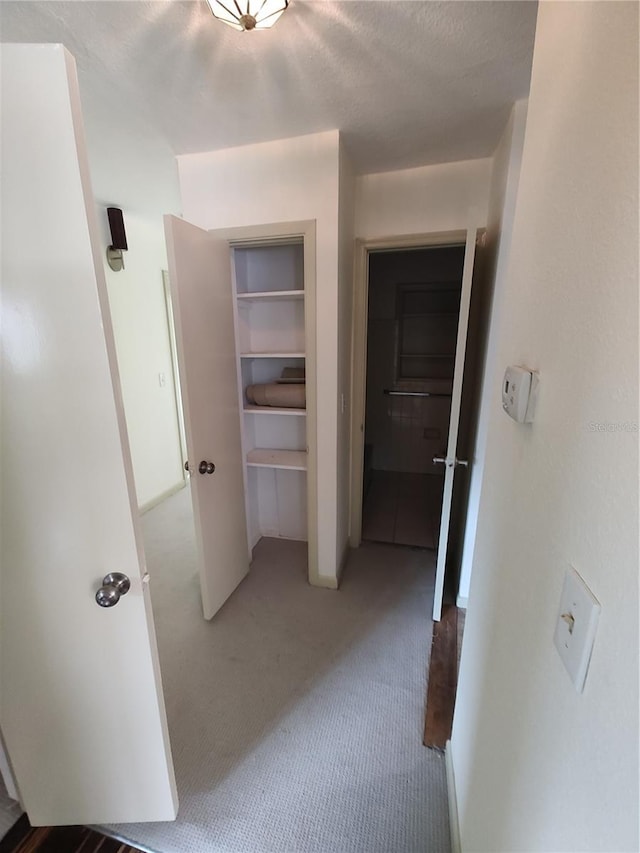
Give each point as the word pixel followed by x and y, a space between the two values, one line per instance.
pixel 537 766
pixel 446 197
pixel 505 176
pixel 281 181
pixel 134 169
pixel 346 224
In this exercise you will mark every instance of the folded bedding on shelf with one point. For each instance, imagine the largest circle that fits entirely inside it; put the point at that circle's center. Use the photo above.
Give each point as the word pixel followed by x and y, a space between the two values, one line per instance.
pixel 274 394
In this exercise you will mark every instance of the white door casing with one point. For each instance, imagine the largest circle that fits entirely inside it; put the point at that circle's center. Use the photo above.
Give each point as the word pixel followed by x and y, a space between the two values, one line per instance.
pixel 81 706
pixel 200 278
pixel 454 421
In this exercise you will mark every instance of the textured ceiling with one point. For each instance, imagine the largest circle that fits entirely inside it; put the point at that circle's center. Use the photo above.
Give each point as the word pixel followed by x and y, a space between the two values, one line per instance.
pixel 408 83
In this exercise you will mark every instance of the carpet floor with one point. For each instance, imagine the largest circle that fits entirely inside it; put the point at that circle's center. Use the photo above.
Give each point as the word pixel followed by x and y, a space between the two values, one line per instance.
pixel 296 714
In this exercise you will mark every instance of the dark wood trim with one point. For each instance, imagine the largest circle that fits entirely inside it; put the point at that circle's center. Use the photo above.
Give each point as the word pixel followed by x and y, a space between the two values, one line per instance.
pixel 24 838
pixel 443 680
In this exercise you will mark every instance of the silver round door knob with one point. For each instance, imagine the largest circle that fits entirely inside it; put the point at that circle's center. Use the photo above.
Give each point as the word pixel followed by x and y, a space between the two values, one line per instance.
pixel 114 585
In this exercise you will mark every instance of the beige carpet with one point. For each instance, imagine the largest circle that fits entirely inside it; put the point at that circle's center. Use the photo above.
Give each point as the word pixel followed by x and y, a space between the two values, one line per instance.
pixel 296 714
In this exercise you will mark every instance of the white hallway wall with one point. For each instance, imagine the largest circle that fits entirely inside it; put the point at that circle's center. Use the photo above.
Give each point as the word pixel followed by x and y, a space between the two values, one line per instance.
pixel 446 197
pixel 537 766
pixel 134 169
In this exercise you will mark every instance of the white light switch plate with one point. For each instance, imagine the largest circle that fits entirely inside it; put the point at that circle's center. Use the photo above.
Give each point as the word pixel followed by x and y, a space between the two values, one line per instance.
pixel 576 627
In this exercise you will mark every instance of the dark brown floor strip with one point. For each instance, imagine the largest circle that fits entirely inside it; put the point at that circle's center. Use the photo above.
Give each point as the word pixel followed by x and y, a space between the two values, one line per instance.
pixel 443 679
pixel 23 838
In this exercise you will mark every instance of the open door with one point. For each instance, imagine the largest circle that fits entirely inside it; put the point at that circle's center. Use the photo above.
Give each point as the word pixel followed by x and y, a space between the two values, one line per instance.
pixel 451 461
pixel 200 278
pixel 81 708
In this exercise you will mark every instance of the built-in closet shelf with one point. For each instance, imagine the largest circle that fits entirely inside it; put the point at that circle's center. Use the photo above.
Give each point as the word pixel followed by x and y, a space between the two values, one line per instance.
pixel 270 294
pixel 272 355
pixel 274 410
pixel 294 460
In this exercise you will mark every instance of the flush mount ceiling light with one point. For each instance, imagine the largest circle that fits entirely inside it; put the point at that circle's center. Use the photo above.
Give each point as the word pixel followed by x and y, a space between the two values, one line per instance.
pixel 248 14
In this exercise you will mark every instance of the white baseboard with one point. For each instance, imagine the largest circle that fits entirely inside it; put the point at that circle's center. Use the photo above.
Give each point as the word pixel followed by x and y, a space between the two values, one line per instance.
pixel 454 826
pixel 159 498
pixel 461 602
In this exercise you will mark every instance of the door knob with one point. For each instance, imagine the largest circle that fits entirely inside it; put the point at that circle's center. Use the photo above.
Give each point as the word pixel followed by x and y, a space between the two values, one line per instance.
pixel 113 586
pixel 206 467
pixel 443 461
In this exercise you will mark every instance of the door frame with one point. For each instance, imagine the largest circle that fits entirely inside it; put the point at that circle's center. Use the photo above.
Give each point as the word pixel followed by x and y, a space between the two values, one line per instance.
pixel 363 249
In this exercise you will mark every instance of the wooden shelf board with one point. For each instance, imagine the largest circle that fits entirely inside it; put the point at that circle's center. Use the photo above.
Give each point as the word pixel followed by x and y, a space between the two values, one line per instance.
pixel 274 410
pixel 270 294
pixel 272 355
pixel 294 460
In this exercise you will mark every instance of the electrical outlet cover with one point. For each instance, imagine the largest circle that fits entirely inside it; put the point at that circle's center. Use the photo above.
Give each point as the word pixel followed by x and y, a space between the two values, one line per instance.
pixel 576 627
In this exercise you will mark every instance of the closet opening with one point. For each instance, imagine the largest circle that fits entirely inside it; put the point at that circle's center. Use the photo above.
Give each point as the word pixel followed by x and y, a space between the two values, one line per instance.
pixel 269 286
pixel 412 326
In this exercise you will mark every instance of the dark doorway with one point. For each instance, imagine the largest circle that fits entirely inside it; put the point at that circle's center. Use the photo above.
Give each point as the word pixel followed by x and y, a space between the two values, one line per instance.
pixel 413 308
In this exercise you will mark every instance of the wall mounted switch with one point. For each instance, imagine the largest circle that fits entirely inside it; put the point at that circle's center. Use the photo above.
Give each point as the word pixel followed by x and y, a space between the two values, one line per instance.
pixel 576 627
pixel 519 393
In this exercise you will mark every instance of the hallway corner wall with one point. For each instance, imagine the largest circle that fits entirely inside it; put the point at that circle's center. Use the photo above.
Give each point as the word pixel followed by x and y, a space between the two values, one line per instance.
pixel 134 169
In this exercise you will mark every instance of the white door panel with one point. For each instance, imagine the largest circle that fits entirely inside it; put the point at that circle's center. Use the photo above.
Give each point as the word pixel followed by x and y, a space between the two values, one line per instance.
pixel 81 706
pixel 454 421
pixel 200 277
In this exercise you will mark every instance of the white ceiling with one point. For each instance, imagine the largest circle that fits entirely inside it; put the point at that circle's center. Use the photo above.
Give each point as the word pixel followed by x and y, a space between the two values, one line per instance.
pixel 408 82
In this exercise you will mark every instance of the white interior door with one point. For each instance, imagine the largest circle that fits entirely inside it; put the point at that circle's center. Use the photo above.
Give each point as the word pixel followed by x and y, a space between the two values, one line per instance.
pixel 200 277
pixel 454 421
pixel 81 707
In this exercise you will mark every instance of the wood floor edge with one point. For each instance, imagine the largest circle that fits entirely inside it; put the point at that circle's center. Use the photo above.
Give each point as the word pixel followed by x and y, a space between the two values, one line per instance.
pixel 442 680
pixel 24 838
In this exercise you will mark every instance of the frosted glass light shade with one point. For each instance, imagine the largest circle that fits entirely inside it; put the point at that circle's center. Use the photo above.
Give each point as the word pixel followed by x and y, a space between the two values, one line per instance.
pixel 248 14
